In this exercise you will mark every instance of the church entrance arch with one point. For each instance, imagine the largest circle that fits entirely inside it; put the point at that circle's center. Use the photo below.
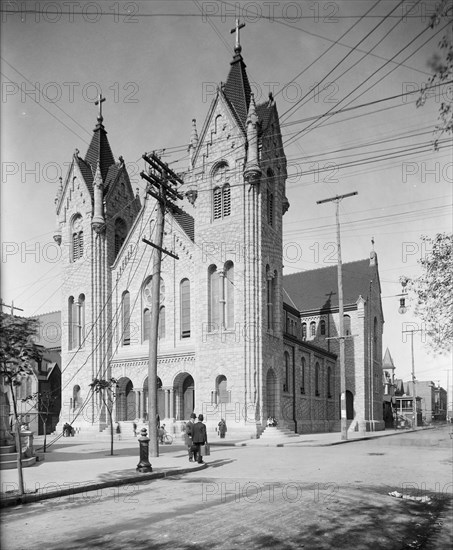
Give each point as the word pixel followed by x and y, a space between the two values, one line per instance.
pixel 125 400
pixel 184 390
pixel 271 393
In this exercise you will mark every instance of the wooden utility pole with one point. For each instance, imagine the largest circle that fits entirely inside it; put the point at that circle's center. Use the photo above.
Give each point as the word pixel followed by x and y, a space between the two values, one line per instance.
pixel 159 178
pixel 414 403
pixel 344 425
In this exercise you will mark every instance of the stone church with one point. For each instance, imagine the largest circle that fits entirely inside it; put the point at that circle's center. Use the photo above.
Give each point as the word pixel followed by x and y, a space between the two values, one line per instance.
pixel 224 343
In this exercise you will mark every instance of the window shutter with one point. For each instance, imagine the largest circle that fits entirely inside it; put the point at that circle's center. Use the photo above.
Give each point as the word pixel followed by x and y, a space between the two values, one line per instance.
pixel 226 200
pixel 217 203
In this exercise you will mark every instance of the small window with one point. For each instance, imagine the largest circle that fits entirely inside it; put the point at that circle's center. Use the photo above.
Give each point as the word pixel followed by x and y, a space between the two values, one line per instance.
pixel 312 329
pixel 304 331
pixel 322 327
pixel 347 325
pixel 302 376
pixel 317 375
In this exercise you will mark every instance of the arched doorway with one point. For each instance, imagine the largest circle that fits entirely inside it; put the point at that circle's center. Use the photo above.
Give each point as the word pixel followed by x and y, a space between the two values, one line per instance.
pixel 125 400
pixel 271 393
pixel 349 405
pixel 184 390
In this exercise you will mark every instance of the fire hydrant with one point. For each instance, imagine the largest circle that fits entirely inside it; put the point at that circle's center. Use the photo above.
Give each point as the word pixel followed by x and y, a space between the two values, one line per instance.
pixel 144 465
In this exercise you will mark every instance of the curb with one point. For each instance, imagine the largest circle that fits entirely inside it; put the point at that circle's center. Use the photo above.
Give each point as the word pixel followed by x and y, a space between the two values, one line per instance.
pixel 330 444
pixel 80 487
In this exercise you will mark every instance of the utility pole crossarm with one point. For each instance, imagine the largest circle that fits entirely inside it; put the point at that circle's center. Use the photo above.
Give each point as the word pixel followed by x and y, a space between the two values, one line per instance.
pixel 337 197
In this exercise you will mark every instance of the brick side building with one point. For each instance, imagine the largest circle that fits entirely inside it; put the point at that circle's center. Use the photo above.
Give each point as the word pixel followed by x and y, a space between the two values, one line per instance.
pixel 314 294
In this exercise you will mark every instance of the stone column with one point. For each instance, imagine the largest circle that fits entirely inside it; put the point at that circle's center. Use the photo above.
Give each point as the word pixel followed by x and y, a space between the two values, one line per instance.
pixel 172 400
pixel 138 403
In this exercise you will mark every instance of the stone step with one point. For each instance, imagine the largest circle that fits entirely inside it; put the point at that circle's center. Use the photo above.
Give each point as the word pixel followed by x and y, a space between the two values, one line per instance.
pixel 12 464
pixel 5 457
pixel 4 449
pixel 272 432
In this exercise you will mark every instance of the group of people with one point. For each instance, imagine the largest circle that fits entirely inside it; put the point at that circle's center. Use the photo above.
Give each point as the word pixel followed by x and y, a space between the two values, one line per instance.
pixel 196 438
pixel 68 430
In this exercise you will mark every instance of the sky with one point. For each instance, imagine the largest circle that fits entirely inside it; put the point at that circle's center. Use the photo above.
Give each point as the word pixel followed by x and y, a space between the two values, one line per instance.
pixel 158 63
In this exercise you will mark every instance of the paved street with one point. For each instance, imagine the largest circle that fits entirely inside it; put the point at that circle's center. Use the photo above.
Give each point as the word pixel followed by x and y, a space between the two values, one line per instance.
pixel 262 497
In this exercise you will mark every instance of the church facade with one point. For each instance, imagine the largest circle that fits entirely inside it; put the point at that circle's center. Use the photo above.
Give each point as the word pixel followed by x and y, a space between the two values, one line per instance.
pixel 223 342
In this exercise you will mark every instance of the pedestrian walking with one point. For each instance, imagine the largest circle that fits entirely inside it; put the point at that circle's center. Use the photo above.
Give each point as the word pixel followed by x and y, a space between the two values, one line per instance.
pixel 188 436
pixel 134 427
pixel 199 438
pixel 118 431
pixel 222 428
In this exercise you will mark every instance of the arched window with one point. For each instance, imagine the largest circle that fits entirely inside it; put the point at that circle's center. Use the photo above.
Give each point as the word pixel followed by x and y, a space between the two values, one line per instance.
pixel 120 234
pixel 146 324
pixel 126 319
pixel 322 327
pixel 71 322
pixel 317 375
pixel 222 393
pixel 228 281
pixel 347 325
pixel 269 298
pixel 304 331
pixel 329 381
pixel 287 373
pixel 302 375
pixel 161 333
pixel 184 294
pixel 77 238
pixel 81 321
pixel 270 197
pixel 312 329
pixel 213 298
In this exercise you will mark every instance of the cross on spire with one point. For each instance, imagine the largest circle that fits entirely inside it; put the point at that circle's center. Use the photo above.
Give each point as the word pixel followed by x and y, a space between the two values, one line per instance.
pixel 237 28
pixel 99 102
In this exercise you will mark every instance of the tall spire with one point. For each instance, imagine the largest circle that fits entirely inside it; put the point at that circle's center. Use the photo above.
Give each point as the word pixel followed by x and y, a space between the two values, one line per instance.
pixel 99 151
pixel 237 86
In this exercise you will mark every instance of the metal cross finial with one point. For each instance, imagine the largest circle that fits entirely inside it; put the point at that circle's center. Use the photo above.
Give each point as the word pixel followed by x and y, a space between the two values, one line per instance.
pixel 238 27
pixel 99 102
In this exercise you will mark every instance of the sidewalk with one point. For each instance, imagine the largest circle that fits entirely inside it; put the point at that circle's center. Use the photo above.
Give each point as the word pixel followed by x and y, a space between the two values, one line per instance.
pixel 322 439
pixel 80 465
pixel 75 465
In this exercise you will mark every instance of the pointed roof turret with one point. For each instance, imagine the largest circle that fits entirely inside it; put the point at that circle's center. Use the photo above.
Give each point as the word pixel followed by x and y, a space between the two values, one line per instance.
pixel 387 362
pixel 99 150
pixel 237 87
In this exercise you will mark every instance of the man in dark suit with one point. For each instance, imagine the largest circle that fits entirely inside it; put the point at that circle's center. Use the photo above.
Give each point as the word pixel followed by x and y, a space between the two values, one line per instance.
pixel 188 435
pixel 199 438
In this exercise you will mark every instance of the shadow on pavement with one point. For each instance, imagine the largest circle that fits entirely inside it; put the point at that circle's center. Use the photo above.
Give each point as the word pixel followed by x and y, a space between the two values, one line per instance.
pixel 350 520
